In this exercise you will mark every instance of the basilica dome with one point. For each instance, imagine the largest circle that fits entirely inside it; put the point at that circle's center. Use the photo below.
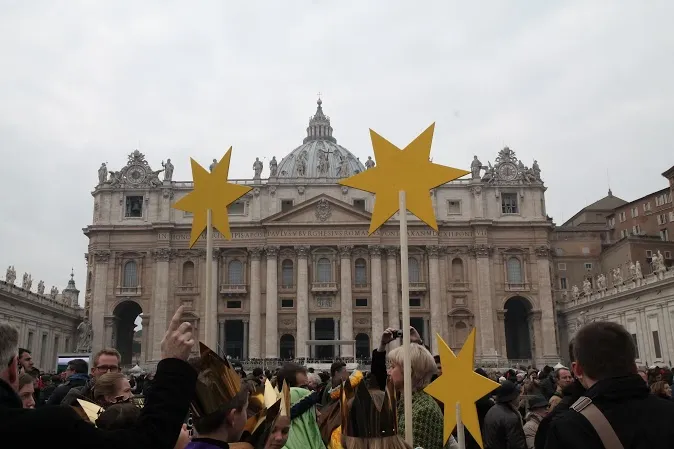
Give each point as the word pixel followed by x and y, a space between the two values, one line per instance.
pixel 319 156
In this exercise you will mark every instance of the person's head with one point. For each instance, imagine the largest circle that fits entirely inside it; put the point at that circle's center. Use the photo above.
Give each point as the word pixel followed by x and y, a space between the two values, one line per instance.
pixel 603 349
pixel 278 434
pixel 258 373
pixel 25 359
pixel 106 360
pixel 294 375
pixel 507 393
pixel 644 375
pixel 228 421
pixel 545 372
pixel 538 405
pixel 389 442
pixel 112 388
pixel 563 377
pixel 9 359
pixel 26 390
pixel 118 416
pixel 314 381
pixel 423 366
pixel 438 365
pixel 338 373
pixel 661 388
pixel 77 366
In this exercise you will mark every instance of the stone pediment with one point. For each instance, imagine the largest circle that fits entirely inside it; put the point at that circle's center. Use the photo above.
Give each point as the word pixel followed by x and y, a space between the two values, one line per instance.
pixel 322 209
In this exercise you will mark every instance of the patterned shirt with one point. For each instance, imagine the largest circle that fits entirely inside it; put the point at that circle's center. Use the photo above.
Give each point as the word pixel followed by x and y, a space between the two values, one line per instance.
pixel 427 421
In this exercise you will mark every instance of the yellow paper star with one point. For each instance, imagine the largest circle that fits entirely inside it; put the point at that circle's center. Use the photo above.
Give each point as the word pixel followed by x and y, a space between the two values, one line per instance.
pixel 459 383
pixel 211 191
pixel 410 170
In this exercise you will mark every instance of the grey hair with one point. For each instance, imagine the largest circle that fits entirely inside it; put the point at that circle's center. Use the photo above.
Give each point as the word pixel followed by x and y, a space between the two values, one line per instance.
pixel 9 344
pixel 423 364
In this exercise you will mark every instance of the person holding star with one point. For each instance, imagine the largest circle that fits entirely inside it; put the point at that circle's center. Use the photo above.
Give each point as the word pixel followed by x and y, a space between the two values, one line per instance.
pixel 426 413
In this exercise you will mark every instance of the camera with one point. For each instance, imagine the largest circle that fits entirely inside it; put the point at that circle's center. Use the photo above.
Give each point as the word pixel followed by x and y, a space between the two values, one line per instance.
pixel 398 333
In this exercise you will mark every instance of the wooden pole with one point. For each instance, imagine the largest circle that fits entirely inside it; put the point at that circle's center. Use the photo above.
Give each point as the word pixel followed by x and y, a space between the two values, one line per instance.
pixel 460 434
pixel 405 287
pixel 210 306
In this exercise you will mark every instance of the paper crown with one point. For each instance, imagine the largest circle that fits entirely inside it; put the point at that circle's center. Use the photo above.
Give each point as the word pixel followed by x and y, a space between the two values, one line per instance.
pixel 217 383
pixel 259 426
pixel 88 410
pixel 368 417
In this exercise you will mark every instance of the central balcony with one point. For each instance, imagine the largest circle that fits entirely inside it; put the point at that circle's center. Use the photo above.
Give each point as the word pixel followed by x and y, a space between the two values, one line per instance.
pixel 233 289
pixel 415 286
pixel 323 287
pixel 128 291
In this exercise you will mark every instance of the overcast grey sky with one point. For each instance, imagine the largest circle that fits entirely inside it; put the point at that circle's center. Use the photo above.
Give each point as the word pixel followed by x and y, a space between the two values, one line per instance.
pixel 584 88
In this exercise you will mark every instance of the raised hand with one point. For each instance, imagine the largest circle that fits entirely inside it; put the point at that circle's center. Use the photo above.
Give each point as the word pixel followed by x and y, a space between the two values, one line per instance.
pixel 177 342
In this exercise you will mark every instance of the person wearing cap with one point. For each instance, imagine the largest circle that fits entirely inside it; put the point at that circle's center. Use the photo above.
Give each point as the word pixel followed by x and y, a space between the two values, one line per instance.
pixel 538 408
pixel 503 423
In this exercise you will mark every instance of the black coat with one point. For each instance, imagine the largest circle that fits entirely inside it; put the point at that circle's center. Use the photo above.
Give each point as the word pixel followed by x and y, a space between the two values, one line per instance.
pixel 58 427
pixel 503 428
pixel 569 395
pixel 59 394
pixel 640 419
pixel 548 386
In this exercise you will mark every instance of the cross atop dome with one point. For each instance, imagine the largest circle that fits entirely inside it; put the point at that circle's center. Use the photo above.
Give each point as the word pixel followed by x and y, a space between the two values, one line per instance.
pixel 319 125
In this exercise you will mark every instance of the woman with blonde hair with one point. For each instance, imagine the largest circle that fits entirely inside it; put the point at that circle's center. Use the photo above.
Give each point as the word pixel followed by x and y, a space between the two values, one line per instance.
pixel 426 414
pixel 112 388
pixel 662 390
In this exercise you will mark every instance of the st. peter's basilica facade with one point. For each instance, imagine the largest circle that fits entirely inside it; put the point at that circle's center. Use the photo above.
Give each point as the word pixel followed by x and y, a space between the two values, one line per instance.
pixel 300 265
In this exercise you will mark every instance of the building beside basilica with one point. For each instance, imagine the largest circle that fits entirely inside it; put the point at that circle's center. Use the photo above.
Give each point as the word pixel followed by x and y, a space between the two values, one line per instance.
pixel 300 265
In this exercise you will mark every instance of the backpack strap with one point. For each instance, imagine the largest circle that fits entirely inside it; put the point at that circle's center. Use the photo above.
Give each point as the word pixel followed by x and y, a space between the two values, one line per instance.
pixel 607 435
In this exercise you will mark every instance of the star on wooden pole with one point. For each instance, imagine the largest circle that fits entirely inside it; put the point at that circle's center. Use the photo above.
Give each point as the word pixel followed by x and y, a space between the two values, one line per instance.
pixel 409 170
pixel 460 384
pixel 211 192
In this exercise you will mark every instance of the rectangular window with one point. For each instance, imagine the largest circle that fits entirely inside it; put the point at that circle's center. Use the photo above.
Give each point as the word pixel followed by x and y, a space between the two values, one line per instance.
pixel 647 206
pixel 67 348
pixel 671 216
pixel 562 283
pixel 187 214
pixel 588 266
pixel 361 302
pixel 359 204
pixel 634 212
pixel 29 346
pixel 622 216
pixel 668 255
pixel 287 303
pixel 453 207
pixel 134 207
pixel 561 266
pixel 636 230
pixel 623 234
pixel 233 304
pixel 664 235
pixel 43 349
pixel 286 205
pixel 649 254
pixel 415 302
pixel 662 219
pixel 509 203
pixel 656 345
pixel 237 208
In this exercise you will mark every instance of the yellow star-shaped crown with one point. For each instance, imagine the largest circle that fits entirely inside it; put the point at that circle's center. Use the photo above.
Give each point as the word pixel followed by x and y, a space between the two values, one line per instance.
pixel 211 191
pixel 410 170
pixel 459 383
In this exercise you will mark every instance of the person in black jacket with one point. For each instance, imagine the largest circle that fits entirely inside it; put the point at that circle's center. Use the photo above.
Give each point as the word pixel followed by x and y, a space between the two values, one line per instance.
pixel 605 354
pixel 76 371
pixel 58 427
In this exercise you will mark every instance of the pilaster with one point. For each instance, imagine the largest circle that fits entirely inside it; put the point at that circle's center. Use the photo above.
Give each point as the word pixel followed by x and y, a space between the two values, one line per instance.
pixel 436 306
pixel 254 332
pixel 377 306
pixel 101 259
pixel 160 301
pixel 302 300
pixel 346 299
pixel 271 316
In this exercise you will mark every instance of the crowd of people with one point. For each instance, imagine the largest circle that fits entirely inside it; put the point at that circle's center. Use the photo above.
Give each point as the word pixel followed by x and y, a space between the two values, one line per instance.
pixel 600 400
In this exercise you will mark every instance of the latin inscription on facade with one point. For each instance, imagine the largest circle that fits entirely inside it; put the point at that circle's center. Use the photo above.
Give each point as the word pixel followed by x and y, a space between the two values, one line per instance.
pixel 325 233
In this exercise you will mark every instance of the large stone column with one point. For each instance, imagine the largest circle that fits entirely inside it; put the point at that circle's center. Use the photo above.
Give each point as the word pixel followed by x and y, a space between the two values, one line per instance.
pixel 271 316
pixel 547 305
pixel 346 299
pixel 436 301
pixel 254 333
pixel 221 339
pixel 160 313
pixel 392 288
pixel 484 300
pixel 97 313
pixel 302 300
pixel 377 293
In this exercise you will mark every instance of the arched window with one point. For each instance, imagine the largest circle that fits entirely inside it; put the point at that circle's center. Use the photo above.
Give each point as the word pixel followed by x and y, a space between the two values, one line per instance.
pixel 235 272
pixel 413 267
pixel 514 267
pixel 361 272
pixel 130 278
pixel 287 347
pixel 188 273
pixel 457 270
pixel 461 333
pixel 362 346
pixel 287 273
pixel 324 270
